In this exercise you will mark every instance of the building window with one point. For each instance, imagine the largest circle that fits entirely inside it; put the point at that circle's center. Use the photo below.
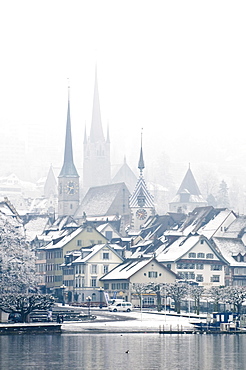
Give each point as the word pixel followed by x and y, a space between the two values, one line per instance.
pixel 106 285
pixel 79 243
pixel 200 255
pixel 105 269
pixel 89 229
pixel 169 266
pixel 93 281
pixel 199 266
pixel 201 241
pixel 216 267
pixel 152 274
pixel 113 286
pixel 192 255
pixel 215 279
pixel 124 286
pixel 199 278
pixel 105 256
pixel 186 266
pixel 109 235
pixel 210 256
pixel 94 269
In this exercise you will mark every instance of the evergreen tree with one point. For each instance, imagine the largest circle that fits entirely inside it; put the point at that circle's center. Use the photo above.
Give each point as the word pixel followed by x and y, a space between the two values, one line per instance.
pixel 223 195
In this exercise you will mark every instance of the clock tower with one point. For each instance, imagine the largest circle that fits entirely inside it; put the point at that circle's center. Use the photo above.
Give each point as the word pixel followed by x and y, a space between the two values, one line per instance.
pixel 68 180
pixel 141 202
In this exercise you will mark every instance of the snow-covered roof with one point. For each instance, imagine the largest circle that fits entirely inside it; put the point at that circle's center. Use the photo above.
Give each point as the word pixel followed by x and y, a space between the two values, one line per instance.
pixel 35 227
pixel 126 269
pixel 99 200
pixel 65 240
pixel 230 247
pixel 213 225
pixel 178 248
pixel 90 252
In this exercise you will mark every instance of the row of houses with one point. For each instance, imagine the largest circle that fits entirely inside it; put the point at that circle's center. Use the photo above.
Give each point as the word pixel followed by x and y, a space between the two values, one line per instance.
pixel 205 247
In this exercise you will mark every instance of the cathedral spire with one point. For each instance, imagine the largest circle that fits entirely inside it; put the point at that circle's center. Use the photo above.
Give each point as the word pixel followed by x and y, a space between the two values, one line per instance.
pixel 68 168
pixel 96 133
pixel 141 161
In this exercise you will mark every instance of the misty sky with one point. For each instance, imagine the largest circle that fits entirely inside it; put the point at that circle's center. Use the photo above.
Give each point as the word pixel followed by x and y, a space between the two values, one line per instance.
pixel 175 68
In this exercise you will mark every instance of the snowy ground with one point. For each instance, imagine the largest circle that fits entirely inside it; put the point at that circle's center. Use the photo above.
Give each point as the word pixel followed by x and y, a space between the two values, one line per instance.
pixel 135 322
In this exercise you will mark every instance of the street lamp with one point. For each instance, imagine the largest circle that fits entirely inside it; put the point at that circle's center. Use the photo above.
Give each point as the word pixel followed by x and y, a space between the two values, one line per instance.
pixel 89 305
pixel 63 287
pixel 101 290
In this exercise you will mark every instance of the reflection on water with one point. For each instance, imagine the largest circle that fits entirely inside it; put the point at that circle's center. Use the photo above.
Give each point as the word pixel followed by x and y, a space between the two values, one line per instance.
pixel 108 351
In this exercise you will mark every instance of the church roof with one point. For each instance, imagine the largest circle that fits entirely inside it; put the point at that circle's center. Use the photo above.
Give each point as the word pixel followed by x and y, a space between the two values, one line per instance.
pixel 68 168
pixel 99 200
pixel 189 184
pixel 126 175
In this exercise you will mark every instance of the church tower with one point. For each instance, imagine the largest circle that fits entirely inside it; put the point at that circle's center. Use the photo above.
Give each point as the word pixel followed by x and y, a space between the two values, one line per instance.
pixel 188 196
pixel 141 202
pixel 68 179
pixel 96 164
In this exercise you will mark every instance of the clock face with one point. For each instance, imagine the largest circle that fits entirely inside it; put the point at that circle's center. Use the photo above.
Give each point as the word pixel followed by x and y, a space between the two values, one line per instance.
pixel 141 214
pixel 71 188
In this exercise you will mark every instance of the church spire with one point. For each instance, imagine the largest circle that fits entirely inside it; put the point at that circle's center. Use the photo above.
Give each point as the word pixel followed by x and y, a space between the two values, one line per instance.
pixel 68 168
pixel 96 133
pixel 141 161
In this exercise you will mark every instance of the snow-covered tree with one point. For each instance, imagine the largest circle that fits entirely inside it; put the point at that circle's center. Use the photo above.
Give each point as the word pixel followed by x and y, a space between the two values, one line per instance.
pixel 235 295
pixel 139 289
pixel 196 292
pixel 24 304
pixel 216 294
pixel 156 288
pixel 17 261
pixel 177 291
pixel 18 278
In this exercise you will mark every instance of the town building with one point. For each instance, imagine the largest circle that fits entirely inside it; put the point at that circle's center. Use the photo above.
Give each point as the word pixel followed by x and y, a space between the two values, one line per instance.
pixel 118 283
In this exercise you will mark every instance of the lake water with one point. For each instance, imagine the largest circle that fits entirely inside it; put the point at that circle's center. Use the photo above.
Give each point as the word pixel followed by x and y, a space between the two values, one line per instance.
pixel 108 351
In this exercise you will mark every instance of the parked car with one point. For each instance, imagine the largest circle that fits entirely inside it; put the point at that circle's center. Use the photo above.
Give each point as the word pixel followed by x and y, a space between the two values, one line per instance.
pixel 14 317
pixel 121 307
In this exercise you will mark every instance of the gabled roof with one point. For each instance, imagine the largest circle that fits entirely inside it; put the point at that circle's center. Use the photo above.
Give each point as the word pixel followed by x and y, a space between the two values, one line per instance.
pixel 141 190
pixel 94 250
pixel 230 247
pixel 182 246
pixel 67 238
pixel 99 200
pixel 128 268
pixel 210 228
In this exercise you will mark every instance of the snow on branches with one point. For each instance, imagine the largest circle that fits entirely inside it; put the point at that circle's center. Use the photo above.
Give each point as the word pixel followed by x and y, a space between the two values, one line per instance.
pixel 17 261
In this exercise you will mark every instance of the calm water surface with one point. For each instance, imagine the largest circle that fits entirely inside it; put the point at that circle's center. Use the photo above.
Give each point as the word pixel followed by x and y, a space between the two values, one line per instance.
pixel 108 351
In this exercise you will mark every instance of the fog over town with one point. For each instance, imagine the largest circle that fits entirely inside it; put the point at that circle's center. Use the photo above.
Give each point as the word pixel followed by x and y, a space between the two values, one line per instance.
pixel 176 69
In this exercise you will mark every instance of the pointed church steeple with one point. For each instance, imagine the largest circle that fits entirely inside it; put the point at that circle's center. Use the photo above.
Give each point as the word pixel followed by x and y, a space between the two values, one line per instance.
pixel 141 201
pixel 141 161
pixel 96 133
pixel 96 162
pixel 68 180
pixel 68 168
pixel 188 196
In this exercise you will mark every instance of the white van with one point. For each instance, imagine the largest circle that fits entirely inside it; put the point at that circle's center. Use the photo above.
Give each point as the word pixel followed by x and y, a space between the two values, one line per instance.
pixel 121 307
